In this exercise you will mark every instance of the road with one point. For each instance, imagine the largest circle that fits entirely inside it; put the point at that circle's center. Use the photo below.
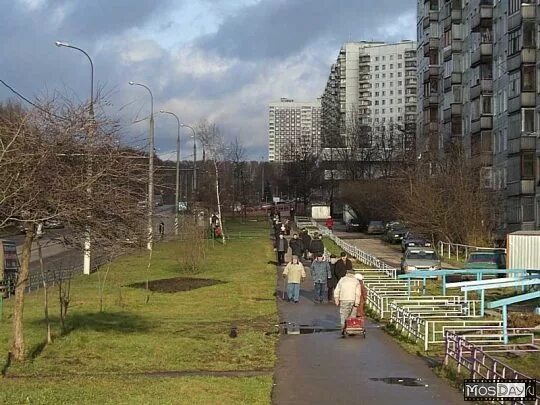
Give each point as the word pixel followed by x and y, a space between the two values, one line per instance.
pixel 322 368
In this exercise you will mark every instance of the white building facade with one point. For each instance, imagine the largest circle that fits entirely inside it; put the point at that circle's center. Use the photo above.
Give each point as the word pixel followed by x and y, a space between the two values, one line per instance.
pixel 294 129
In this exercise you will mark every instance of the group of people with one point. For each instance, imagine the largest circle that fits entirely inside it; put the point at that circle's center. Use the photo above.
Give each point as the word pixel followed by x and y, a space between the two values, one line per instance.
pixel 333 278
pixel 301 245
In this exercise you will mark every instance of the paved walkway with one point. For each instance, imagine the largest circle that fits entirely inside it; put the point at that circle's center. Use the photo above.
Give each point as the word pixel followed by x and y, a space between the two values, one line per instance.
pixel 322 368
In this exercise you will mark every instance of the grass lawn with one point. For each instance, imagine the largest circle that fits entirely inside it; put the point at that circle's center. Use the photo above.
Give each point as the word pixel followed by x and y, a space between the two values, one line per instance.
pixel 183 331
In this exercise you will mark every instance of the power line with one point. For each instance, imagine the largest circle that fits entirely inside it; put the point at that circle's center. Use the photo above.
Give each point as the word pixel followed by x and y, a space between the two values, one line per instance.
pixel 30 102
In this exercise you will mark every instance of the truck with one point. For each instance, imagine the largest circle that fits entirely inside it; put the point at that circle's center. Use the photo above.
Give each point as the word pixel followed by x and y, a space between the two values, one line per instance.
pixel 320 211
pixel 523 250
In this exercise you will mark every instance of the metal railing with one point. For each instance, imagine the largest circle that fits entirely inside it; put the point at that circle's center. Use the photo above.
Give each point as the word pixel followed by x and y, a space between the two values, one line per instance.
pixel 480 364
pixel 458 251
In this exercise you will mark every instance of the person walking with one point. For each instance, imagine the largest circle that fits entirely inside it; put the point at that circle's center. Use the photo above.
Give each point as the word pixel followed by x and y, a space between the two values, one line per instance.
pixel 306 240
pixel 332 282
pixel 316 247
pixel 330 223
pixel 342 265
pixel 347 297
pixel 294 273
pixel 297 246
pixel 281 247
pixel 363 296
pixel 161 230
pixel 320 273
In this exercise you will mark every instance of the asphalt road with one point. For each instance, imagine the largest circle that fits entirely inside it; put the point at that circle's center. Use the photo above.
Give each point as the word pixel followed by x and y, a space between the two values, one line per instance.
pixel 322 368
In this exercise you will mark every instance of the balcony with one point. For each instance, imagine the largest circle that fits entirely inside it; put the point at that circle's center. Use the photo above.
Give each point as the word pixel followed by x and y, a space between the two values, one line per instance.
pixel 410 65
pixel 456 16
pixel 410 55
pixel 484 123
pixel 431 73
pixel 485 86
pixel 455 110
pixel 431 44
pixel 432 127
pixel 365 94
pixel 523 187
pixel 528 11
pixel 525 99
pixel 410 83
pixel 430 101
pixel 365 86
pixel 365 59
pixel 483 18
pixel 430 16
pixel 456 46
pixel 364 78
pixel 483 54
pixel 454 78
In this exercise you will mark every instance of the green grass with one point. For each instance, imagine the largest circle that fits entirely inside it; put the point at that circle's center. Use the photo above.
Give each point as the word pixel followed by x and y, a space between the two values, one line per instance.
pixel 332 247
pixel 185 331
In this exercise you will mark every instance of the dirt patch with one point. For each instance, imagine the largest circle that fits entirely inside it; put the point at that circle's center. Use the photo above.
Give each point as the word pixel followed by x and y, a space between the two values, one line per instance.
pixel 177 284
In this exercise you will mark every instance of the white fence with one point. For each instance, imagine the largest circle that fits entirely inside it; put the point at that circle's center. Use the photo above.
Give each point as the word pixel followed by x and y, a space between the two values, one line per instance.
pixel 458 251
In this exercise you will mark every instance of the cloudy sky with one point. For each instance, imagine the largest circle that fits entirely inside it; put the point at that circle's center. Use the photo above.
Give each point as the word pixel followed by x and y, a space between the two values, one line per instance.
pixel 223 60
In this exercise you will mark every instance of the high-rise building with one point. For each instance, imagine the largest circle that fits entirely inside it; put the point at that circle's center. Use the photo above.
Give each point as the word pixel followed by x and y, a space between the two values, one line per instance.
pixel 477 67
pixel 294 129
pixel 372 86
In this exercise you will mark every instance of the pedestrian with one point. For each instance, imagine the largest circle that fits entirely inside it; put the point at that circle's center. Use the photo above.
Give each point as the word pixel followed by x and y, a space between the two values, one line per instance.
pixel 316 247
pixel 306 240
pixel 297 246
pixel 283 229
pixel 161 230
pixel 291 213
pixel 363 296
pixel 342 265
pixel 347 297
pixel 287 227
pixel 295 274
pixel 330 223
pixel 281 247
pixel 320 273
pixel 332 282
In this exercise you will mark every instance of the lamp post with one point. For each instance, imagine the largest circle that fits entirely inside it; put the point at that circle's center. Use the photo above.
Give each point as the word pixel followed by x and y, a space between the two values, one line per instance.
pixel 194 158
pixel 87 238
pixel 150 168
pixel 262 179
pixel 177 170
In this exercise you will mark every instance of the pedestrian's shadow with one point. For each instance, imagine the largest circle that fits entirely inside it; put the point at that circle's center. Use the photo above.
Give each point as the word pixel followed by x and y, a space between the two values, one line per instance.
pixel 273 262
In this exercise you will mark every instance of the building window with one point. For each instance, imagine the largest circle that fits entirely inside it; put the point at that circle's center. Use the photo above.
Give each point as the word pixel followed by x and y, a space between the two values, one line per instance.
pixel 514 6
pixel 376 67
pixel 513 42
pixel 400 56
pixel 527 119
pixel 487 105
pixel 527 207
pixel 383 67
pixel 399 65
pixel 384 75
pixel 529 78
pixel 376 58
pixel 527 165
pixel 529 34
pixel 399 74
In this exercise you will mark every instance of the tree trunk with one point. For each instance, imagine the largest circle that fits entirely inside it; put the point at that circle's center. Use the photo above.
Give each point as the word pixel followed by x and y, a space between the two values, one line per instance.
pixel 219 203
pixel 18 310
pixel 45 294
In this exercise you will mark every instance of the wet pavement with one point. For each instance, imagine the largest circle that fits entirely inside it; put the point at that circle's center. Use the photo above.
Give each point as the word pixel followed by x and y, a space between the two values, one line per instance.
pixel 318 367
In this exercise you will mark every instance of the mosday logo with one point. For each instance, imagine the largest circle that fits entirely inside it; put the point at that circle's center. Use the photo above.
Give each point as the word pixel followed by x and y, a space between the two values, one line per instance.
pixel 489 390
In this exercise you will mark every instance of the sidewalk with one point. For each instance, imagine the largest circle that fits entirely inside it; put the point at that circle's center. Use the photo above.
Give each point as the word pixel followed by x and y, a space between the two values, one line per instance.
pixel 322 368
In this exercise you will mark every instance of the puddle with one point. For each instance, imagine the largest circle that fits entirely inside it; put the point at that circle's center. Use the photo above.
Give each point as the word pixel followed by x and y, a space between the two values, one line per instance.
pixel 405 381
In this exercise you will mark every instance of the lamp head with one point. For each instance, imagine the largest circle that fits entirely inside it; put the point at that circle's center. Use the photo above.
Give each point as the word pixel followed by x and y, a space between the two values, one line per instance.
pixel 131 83
pixel 60 43
pixel 162 111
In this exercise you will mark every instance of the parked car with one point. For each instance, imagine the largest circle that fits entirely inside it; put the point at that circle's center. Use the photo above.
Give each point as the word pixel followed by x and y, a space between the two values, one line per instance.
pixel 53 224
pixel 412 240
pixel 486 259
pixel 353 225
pixel 420 259
pixel 395 232
pixel 375 228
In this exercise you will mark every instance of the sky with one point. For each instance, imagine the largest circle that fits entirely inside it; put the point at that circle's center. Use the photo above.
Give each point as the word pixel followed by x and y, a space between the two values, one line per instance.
pixel 220 60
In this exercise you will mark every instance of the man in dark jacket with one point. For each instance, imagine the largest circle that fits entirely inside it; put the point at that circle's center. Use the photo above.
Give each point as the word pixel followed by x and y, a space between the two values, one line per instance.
pixel 332 282
pixel 342 265
pixel 297 246
pixel 306 240
pixel 281 246
pixel 316 247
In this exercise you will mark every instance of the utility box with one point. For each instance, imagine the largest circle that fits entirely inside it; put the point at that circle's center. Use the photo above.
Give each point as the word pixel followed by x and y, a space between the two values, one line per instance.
pixel 320 211
pixel 523 250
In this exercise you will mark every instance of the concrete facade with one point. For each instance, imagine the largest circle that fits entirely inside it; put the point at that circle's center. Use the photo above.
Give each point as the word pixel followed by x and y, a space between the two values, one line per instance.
pixel 294 128
pixel 478 87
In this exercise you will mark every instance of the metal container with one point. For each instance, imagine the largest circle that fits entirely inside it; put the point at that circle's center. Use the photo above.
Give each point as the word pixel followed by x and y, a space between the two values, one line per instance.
pixel 523 250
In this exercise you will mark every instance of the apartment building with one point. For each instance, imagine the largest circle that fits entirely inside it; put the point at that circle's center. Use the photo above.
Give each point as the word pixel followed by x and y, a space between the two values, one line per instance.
pixel 294 129
pixel 372 85
pixel 477 67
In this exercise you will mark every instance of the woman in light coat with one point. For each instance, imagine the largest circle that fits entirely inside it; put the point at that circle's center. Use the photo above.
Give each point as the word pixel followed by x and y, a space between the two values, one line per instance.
pixel 295 274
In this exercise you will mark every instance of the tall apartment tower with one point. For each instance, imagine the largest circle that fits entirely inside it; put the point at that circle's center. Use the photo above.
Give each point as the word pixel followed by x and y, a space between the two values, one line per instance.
pixel 294 129
pixel 478 87
pixel 371 84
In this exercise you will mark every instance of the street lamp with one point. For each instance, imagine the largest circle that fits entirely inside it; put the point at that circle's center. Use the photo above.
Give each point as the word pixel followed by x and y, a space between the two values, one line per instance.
pixel 150 167
pixel 194 158
pixel 177 170
pixel 262 178
pixel 87 239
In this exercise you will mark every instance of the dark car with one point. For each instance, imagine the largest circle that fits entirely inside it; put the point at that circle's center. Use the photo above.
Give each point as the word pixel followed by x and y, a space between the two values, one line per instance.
pixel 492 259
pixel 395 232
pixel 353 225
pixel 375 228
pixel 412 240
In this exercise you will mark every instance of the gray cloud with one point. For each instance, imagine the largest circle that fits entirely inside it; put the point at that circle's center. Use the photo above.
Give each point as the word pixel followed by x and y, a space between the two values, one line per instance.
pixel 280 28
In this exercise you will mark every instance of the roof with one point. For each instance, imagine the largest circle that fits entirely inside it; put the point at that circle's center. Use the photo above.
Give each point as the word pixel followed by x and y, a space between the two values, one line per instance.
pixel 532 233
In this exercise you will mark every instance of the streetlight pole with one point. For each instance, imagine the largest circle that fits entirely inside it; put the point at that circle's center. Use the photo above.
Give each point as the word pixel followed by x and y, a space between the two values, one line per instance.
pixel 262 179
pixel 177 171
pixel 150 168
pixel 194 158
pixel 87 236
